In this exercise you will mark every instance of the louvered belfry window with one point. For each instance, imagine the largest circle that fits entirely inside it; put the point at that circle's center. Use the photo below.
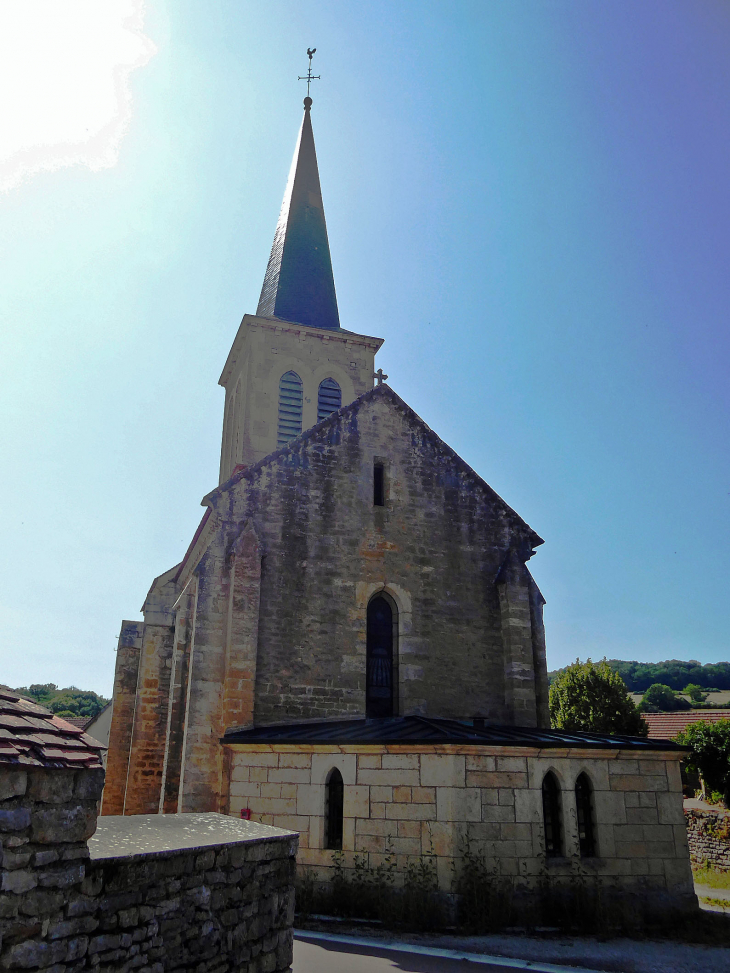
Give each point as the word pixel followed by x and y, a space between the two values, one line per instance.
pixel 290 408
pixel 329 398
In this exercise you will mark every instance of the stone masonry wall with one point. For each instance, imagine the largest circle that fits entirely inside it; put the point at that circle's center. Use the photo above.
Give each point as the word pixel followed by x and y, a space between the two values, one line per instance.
pixel 420 801
pixel 708 834
pixel 436 547
pixel 228 906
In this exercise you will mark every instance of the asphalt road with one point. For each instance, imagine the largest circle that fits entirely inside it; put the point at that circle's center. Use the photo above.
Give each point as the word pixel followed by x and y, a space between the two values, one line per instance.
pixel 328 957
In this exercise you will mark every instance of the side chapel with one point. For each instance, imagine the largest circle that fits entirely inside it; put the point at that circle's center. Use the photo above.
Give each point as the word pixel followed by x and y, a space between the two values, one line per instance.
pixel 352 645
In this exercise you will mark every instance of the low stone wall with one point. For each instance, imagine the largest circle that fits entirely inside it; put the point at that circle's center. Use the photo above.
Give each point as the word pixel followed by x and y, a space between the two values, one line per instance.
pixel 152 893
pixel 708 835
pixel 406 804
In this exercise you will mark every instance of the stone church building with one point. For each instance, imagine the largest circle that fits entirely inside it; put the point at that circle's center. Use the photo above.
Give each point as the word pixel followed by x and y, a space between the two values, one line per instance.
pixel 353 646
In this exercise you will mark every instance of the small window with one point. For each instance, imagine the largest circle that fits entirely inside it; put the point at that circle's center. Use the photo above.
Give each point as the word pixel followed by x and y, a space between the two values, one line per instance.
pixel 329 398
pixel 584 808
pixel 290 408
pixel 552 816
pixel 378 485
pixel 334 809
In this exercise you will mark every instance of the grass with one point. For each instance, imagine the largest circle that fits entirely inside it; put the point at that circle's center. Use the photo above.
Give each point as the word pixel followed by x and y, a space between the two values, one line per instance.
pixel 722 903
pixel 712 877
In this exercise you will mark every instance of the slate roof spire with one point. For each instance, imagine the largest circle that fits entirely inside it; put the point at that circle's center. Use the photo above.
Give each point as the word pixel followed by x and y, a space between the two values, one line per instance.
pixel 299 284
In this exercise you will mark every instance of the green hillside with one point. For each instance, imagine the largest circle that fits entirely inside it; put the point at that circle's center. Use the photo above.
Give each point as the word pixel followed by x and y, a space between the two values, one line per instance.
pixel 64 702
pixel 674 673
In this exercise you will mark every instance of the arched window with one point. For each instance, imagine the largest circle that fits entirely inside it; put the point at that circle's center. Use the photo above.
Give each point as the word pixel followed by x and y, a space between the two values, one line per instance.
pixel 551 815
pixel 290 408
pixel 379 663
pixel 329 398
pixel 334 809
pixel 584 808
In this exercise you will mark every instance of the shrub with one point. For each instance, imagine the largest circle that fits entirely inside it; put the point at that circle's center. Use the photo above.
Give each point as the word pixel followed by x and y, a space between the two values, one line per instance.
pixel 592 697
pixel 709 756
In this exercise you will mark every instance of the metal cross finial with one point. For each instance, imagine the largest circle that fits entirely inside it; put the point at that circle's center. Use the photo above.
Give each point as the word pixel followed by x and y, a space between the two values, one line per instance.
pixel 309 77
pixel 379 376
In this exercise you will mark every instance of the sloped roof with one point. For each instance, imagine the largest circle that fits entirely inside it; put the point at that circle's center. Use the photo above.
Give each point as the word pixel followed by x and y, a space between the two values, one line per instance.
pixel 318 432
pixel 668 725
pixel 32 736
pixel 421 729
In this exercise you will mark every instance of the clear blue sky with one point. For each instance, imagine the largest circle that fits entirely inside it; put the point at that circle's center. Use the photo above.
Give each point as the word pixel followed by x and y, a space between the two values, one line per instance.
pixel 528 200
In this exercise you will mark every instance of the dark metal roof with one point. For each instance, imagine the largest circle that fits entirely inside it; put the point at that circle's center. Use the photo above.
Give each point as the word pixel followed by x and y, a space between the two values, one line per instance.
pixel 422 729
pixel 31 736
pixel 299 284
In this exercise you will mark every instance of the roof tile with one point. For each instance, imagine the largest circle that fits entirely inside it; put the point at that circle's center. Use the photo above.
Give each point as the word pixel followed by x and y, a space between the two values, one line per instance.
pixel 31 735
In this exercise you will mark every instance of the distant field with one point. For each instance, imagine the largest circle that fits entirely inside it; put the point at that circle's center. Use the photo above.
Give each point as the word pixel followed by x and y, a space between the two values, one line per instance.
pixel 714 698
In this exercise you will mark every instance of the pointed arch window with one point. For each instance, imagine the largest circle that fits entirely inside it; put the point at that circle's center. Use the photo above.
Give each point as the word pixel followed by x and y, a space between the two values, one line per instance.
pixel 552 816
pixel 329 398
pixel 290 408
pixel 334 809
pixel 379 694
pixel 584 809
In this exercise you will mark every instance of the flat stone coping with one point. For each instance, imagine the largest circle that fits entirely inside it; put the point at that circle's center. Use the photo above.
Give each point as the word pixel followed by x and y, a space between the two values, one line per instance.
pixel 135 835
pixel 693 804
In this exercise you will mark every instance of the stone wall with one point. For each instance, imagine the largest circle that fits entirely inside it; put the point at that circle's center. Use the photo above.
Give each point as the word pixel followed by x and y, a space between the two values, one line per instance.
pixel 427 801
pixel 148 893
pixel 708 834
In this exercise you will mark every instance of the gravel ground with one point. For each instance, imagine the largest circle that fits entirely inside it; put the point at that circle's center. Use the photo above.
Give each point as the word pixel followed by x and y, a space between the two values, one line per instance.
pixel 613 956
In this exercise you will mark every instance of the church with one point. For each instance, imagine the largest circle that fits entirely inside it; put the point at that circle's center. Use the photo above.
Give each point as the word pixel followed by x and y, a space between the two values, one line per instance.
pixel 352 646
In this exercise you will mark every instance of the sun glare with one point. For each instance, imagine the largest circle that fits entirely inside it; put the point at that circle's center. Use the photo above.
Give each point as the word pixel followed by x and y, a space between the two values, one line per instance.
pixel 64 73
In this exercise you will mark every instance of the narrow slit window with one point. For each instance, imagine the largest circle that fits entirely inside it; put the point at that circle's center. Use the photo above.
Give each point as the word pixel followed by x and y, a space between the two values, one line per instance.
pixel 290 408
pixel 584 809
pixel 379 485
pixel 329 398
pixel 552 816
pixel 334 809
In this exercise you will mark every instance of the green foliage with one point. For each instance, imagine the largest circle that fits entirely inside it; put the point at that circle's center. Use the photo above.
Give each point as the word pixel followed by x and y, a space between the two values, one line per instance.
pixel 65 702
pixel 674 673
pixel 661 699
pixel 592 697
pixel 695 692
pixel 709 744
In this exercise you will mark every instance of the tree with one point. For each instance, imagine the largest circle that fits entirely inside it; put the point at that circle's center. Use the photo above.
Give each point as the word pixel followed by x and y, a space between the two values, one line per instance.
pixel 591 696
pixel 661 699
pixel 709 744
pixel 695 692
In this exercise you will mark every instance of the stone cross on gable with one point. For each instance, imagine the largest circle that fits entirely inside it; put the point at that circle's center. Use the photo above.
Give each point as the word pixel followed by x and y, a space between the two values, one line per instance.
pixel 379 376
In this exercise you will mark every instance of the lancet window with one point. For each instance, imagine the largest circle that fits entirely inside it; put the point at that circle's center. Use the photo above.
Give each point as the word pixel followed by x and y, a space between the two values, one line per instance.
pixel 290 408
pixel 334 809
pixel 379 663
pixel 329 398
pixel 552 816
pixel 584 809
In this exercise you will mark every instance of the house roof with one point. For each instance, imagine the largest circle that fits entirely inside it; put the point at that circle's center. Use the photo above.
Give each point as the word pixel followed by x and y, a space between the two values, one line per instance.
pixel 32 736
pixel 320 430
pixel 421 729
pixel 668 725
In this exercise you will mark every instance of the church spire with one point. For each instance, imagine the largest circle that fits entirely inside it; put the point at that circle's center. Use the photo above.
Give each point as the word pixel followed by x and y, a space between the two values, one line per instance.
pixel 299 284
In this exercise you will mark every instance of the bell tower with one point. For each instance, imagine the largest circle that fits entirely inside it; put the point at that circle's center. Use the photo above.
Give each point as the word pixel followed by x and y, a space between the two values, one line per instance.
pixel 292 363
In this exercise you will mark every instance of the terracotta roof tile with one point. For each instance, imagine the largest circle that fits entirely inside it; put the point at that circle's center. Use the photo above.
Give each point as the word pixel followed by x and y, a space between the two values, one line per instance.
pixel 30 735
pixel 665 726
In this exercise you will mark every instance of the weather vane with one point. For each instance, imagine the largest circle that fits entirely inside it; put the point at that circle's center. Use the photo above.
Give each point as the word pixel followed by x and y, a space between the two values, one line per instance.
pixel 309 77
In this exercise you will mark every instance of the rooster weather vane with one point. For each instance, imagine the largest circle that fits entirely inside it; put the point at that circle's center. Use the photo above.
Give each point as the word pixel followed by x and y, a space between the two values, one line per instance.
pixel 309 77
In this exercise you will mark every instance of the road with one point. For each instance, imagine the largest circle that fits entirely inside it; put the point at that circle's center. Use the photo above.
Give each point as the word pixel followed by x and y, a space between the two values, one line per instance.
pixel 322 956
